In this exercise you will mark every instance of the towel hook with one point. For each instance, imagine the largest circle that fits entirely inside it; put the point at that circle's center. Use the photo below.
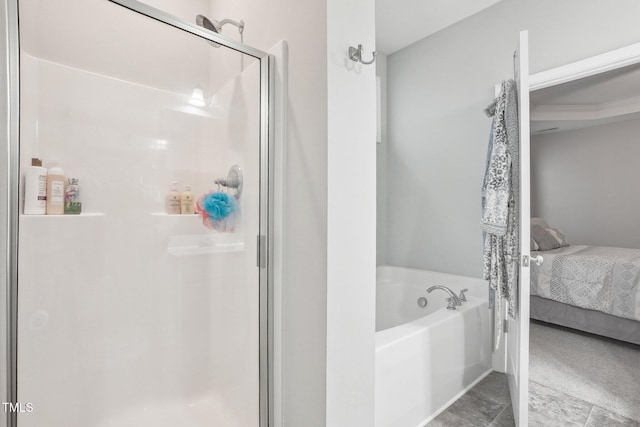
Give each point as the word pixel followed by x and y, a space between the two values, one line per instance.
pixel 355 54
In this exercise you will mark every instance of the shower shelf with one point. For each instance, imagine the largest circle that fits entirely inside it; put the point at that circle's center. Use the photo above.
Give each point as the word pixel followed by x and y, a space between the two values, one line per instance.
pixel 202 244
pixel 163 214
pixel 62 217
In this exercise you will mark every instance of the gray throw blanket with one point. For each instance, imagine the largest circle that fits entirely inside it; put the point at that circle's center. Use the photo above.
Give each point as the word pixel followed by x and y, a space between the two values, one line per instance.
pixel 500 203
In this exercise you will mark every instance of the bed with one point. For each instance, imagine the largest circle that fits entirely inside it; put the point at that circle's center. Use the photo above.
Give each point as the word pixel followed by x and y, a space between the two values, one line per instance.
pixel 590 288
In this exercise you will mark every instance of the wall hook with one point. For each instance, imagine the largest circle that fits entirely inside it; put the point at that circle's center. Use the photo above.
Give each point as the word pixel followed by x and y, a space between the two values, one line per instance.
pixel 356 55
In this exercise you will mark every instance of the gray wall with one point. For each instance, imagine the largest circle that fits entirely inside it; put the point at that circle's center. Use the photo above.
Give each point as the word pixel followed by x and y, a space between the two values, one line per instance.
pixel 438 132
pixel 585 183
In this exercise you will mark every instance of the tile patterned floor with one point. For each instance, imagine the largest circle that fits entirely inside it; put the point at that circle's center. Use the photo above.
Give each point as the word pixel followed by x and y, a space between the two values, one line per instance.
pixel 488 405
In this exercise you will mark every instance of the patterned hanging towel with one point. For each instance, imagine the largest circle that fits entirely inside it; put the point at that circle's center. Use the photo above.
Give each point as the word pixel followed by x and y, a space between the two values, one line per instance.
pixel 500 205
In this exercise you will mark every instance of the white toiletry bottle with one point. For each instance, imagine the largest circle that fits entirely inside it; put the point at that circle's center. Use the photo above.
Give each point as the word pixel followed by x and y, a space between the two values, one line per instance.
pixel 173 200
pixel 55 191
pixel 187 204
pixel 35 189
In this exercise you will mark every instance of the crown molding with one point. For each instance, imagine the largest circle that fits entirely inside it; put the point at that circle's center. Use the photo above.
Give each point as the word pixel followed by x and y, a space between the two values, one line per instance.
pixel 601 111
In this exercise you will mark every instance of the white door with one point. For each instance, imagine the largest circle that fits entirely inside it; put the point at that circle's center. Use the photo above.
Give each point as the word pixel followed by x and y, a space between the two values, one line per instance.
pixel 518 335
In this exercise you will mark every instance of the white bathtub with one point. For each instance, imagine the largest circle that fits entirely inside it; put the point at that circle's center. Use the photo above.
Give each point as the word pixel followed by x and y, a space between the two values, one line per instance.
pixel 426 357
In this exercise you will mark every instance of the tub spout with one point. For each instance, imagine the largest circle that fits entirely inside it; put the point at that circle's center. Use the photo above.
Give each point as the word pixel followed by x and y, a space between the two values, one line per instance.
pixel 453 299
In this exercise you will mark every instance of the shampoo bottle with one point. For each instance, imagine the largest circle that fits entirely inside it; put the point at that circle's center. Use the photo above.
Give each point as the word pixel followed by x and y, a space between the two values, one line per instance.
pixel 35 189
pixel 173 200
pixel 55 191
pixel 187 204
pixel 72 204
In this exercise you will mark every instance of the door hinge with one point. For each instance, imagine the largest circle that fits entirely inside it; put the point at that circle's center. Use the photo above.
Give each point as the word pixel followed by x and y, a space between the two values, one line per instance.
pixel 505 325
pixel 262 251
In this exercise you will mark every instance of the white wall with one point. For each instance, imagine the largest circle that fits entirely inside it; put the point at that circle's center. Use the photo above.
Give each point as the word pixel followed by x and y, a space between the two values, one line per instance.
pixel 585 183
pixel 438 133
pixel 381 166
pixel 351 225
pixel 133 50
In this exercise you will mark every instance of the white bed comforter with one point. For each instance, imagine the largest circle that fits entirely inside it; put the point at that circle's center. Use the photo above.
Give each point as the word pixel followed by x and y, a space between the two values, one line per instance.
pixel 593 277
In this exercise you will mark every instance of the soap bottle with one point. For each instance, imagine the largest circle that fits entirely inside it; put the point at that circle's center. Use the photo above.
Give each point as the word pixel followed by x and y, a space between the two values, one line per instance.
pixel 72 203
pixel 187 204
pixel 35 188
pixel 173 200
pixel 55 191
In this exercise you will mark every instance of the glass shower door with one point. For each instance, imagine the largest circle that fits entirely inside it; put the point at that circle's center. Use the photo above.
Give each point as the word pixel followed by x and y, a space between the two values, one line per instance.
pixel 141 310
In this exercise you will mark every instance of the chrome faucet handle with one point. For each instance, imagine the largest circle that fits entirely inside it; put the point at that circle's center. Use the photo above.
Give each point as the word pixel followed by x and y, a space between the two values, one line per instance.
pixel 453 302
pixel 453 299
pixel 462 297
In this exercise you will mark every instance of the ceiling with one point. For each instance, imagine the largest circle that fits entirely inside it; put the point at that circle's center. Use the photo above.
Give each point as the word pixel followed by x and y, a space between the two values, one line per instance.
pixel 400 23
pixel 605 98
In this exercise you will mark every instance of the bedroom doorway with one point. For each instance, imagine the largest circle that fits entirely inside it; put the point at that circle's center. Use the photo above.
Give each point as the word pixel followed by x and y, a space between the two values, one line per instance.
pixel 584 348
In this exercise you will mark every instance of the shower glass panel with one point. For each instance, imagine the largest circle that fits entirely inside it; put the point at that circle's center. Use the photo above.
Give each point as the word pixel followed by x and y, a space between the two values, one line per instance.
pixel 128 315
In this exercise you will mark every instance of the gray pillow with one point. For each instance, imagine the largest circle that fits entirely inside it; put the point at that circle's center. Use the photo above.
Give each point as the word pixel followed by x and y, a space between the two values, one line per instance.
pixel 534 245
pixel 539 221
pixel 548 238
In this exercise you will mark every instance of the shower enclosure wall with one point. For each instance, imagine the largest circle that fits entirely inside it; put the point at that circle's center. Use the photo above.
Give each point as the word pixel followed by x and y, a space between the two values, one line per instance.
pixel 125 315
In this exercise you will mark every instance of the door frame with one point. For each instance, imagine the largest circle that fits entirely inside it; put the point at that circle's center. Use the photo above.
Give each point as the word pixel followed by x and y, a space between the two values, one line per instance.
pixel 517 336
pixel 587 67
pixel 11 200
pixel 10 125
pixel 611 60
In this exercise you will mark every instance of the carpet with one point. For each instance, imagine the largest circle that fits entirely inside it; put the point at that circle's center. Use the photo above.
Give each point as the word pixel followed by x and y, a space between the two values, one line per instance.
pixel 600 371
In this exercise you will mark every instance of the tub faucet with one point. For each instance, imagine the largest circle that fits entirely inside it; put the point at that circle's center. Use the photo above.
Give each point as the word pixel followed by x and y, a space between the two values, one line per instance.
pixel 453 300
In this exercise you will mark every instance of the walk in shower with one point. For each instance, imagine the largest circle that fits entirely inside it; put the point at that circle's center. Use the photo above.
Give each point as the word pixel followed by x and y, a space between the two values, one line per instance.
pixel 127 314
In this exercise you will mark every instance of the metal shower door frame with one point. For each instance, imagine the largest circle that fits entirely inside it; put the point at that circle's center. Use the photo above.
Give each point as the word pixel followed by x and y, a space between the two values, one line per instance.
pixel 10 126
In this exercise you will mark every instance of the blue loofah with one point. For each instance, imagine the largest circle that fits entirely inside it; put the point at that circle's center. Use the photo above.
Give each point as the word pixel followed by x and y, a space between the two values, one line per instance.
pixel 219 205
